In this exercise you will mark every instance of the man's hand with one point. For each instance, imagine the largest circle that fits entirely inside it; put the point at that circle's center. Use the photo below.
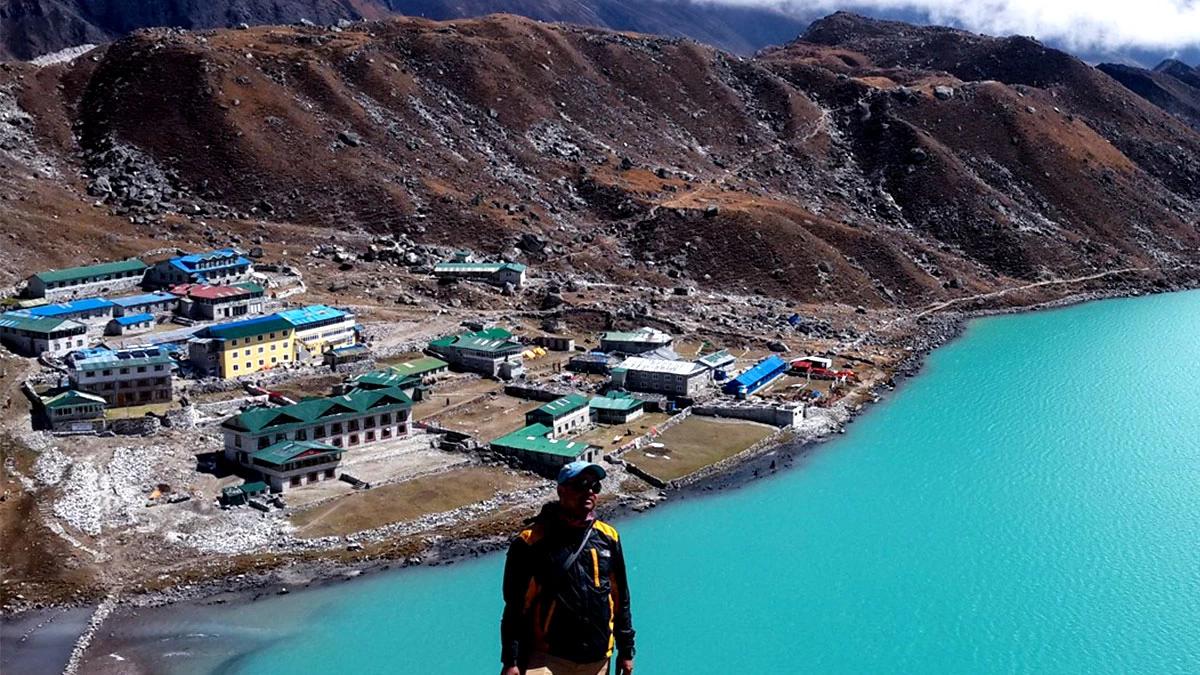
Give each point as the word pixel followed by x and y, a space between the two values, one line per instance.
pixel 624 667
pixel 510 670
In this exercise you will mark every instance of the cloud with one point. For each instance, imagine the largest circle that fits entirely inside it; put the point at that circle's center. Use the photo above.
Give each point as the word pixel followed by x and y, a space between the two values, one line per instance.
pixel 1078 24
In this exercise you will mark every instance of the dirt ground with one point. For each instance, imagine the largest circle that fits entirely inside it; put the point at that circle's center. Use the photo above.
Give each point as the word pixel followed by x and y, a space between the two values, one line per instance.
pixel 449 394
pixel 605 435
pixel 36 562
pixel 379 463
pixel 318 385
pixel 490 417
pixel 406 501
pixel 695 443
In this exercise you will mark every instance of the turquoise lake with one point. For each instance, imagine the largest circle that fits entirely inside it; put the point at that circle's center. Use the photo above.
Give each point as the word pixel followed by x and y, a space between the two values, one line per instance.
pixel 1029 503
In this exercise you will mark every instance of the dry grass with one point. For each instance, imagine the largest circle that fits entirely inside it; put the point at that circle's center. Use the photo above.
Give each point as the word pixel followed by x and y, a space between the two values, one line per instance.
pixel 450 394
pixel 489 417
pixel 132 411
pixel 405 501
pixel 604 434
pixel 696 443
pixel 319 385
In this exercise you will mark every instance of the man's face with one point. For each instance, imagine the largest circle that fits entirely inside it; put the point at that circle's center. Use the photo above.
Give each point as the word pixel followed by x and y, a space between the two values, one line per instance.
pixel 578 495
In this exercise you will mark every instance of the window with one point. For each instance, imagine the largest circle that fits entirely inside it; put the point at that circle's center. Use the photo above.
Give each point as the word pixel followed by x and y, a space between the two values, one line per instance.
pixel 263 442
pixel 158 367
pixel 274 360
pixel 295 481
pixel 237 441
pixel 234 343
pixel 319 432
pixel 274 345
pixel 301 435
pixel 272 336
pixel 260 350
pixel 385 418
pixel 106 373
pixel 260 363
pixel 124 371
pixel 141 369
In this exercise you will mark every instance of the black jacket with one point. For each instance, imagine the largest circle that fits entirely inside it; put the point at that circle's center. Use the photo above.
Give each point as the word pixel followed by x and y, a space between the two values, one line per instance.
pixel 580 614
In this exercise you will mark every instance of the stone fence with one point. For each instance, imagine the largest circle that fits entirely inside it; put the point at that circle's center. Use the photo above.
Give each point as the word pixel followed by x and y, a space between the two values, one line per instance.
pixel 728 463
pixel 778 416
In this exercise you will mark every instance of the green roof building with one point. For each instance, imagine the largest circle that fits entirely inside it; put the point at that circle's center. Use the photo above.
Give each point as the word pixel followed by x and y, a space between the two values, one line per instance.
pixel 562 415
pixel 616 407
pixel 88 280
pixel 497 274
pixel 533 446
pixel 361 417
pixel 423 367
pixel 491 352
pixel 33 335
pixel 292 464
pixel 74 411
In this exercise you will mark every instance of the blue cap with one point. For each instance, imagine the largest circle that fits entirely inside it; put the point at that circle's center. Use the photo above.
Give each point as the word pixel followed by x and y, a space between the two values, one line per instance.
pixel 573 469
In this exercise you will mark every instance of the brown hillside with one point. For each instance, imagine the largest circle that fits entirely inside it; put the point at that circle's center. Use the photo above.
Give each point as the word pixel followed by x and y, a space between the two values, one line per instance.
pixel 852 168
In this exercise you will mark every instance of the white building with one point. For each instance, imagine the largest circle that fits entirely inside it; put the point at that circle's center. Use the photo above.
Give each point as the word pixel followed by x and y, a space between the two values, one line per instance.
pixel 639 341
pixel 31 336
pixel 674 378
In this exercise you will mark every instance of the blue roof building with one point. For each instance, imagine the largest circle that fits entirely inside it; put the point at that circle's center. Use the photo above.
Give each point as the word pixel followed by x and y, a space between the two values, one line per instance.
pixel 756 378
pixel 86 308
pixel 145 303
pixel 223 266
pixel 312 316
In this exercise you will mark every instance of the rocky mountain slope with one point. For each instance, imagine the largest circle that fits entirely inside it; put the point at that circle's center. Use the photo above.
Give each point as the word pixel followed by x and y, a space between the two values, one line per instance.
pixel 1172 85
pixel 866 163
pixel 29 28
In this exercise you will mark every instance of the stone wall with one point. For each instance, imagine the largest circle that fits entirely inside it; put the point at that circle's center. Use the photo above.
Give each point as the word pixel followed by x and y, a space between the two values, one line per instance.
pixel 778 416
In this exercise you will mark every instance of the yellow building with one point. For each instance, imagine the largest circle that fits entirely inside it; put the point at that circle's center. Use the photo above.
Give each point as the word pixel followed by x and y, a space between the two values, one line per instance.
pixel 253 345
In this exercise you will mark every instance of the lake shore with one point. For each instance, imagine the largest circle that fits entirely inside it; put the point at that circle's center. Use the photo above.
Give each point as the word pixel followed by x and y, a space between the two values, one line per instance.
pixel 456 545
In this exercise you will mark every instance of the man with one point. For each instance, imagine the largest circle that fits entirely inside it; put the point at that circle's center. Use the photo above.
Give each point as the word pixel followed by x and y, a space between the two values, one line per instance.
pixel 566 603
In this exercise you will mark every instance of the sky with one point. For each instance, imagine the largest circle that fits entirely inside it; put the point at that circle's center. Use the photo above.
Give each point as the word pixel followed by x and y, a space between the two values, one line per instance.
pixel 1162 28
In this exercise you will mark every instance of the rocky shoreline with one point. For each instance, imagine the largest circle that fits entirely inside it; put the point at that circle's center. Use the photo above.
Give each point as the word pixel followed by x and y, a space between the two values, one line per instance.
pixel 932 332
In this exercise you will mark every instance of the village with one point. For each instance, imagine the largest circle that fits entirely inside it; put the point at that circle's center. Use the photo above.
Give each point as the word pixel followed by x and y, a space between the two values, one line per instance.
pixel 197 401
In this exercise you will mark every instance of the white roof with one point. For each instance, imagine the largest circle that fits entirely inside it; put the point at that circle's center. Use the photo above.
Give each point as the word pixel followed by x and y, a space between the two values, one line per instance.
pixel 816 359
pixel 662 366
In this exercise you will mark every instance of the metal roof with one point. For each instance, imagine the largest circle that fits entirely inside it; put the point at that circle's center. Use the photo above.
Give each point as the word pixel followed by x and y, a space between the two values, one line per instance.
pixel 381 379
pixel 72 397
pixel 482 268
pixel 643 334
pixel 144 299
pixel 616 400
pixel 35 324
pixel 139 356
pixel 331 408
pixel 285 451
pixel 533 438
pixel 227 256
pixel 133 319
pixel 768 366
pixel 207 292
pixel 661 366
pixel 420 366
pixel 565 405
pixel 65 308
pixel 249 327
pixel 717 359
pixel 489 340
pixel 85 272
pixel 303 316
